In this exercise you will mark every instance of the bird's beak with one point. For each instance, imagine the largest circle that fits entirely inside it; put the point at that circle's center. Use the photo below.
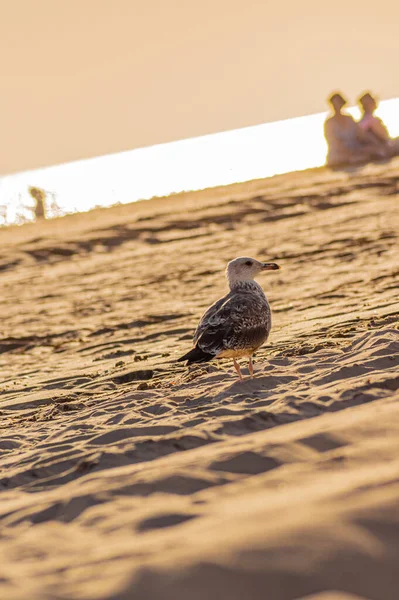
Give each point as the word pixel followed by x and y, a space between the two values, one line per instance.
pixel 270 267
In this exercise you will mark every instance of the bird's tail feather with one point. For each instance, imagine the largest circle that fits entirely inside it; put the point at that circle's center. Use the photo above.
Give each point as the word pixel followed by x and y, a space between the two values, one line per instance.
pixel 196 355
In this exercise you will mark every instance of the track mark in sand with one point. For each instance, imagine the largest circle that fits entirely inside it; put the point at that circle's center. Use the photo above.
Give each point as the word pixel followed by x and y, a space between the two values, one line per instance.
pixel 132 449
pixel 67 382
pixel 145 321
pixel 115 354
pixel 61 511
pixel 26 343
pixel 9 444
pixel 54 411
pixel 388 384
pixel 88 463
pixel 323 442
pixel 248 463
pixel 180 485
pixel 156 409
pixel 9 265
pixel 118 435
pixel 162 521
pixel 254 422
pixel 367 393
pixel 140 375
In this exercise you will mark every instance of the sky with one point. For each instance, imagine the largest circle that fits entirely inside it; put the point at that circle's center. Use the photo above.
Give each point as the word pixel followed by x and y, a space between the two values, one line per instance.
pixel 90 77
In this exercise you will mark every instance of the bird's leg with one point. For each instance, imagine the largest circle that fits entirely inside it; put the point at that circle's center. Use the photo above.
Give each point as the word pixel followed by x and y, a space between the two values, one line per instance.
pixel 251 367
pixel 237 368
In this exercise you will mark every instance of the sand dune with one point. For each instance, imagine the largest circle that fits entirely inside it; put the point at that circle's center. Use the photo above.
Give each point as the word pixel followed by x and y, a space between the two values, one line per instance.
pixel 125 475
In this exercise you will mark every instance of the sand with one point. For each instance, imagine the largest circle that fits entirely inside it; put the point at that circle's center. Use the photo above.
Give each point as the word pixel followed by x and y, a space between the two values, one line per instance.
pixel 126 475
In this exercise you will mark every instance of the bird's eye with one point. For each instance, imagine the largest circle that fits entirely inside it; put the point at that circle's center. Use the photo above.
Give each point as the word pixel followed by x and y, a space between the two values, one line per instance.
pixel 248 263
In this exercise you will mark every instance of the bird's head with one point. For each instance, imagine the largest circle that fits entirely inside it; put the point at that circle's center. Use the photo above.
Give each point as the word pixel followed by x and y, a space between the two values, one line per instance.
pixel 246 269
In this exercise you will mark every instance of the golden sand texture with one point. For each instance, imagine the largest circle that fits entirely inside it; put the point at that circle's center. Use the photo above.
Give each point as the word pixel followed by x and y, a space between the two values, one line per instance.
pixel 127 476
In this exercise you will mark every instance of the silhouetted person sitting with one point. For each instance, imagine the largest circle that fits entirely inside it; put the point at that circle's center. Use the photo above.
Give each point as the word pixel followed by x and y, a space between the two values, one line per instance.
pixel 374 126
pixel 347 142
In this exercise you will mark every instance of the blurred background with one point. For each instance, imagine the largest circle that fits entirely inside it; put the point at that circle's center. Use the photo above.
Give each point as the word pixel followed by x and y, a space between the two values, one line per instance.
pixel 86 78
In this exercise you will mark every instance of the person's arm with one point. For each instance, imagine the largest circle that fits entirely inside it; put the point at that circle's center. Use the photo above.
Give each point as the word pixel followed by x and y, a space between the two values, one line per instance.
pixel 367 136
pixel 372 143
pixel 379 129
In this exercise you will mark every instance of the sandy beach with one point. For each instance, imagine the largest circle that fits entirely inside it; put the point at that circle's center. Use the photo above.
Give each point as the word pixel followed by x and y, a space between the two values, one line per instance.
pixel 125 475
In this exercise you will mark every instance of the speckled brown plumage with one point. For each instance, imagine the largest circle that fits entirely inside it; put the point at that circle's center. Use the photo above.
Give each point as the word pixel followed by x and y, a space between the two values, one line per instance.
pixel 237 324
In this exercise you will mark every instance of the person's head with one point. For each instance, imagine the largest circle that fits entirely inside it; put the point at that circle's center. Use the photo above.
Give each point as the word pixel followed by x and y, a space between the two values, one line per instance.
pixel 337 101
pixel 368 103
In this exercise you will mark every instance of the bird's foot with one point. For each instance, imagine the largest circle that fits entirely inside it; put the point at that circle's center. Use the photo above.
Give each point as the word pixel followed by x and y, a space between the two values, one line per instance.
pixel 238 369
pixel 251 368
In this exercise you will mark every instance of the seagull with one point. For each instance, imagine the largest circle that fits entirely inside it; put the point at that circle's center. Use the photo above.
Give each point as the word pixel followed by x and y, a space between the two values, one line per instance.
pixel 237 324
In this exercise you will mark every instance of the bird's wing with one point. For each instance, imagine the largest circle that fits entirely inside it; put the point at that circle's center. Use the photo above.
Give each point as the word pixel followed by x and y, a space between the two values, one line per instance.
pixel 209 314
pixel 238 320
